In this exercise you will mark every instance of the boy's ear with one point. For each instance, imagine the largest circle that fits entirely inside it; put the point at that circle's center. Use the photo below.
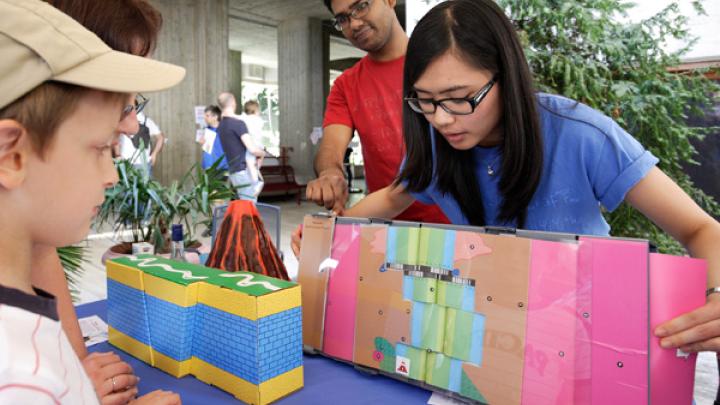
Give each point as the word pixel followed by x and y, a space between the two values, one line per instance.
pixel 13 153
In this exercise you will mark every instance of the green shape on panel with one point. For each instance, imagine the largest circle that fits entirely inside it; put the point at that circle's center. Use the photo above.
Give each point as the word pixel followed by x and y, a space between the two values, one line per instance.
pixel 449 294
pixel 468 389
pixel 424 289
pixel 437 372
pixel 413 243
pixel 433 328
pixel 432 241
pixel 388 351
pixel 418 358
pixel 401 245
pixel 458 334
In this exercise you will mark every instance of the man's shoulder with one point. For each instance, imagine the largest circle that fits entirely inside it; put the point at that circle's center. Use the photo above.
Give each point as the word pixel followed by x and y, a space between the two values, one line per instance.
pixel 231 123
pixel 354 72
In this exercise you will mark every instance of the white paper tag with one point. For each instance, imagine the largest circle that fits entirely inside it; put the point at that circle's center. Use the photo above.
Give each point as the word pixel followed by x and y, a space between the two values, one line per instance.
pixel 402 366
pixel 94 330
pixel 439 399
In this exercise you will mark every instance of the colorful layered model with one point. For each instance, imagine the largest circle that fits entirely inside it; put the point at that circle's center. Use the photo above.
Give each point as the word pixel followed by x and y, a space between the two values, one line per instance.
pixel 238 331
pixel 509 317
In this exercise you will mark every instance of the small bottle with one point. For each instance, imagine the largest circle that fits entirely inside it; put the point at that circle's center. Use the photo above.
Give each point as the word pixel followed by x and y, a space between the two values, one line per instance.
pixel 177 247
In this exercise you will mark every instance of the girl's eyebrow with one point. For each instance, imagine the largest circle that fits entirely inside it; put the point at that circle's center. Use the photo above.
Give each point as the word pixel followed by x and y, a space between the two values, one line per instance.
pixel 444 91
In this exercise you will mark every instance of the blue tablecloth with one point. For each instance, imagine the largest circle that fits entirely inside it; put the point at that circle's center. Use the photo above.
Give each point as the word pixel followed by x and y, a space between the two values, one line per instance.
pixel 326 381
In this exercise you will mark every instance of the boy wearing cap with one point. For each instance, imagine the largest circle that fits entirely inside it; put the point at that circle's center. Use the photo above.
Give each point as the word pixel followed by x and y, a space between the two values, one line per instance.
pixel 63 96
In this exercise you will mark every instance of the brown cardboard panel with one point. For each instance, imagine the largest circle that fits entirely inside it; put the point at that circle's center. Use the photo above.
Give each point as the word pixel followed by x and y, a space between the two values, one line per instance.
pixel 499 265
pixel 381 310
pixel 315 248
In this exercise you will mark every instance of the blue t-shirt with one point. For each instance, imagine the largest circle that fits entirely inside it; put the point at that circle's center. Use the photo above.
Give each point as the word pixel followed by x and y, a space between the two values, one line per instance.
pixel 209 158
pixel 589 161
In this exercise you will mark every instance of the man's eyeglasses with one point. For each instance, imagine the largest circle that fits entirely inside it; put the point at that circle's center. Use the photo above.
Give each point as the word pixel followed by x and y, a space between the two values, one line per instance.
pixel 455 106
pixel 138 105
pixel 359 10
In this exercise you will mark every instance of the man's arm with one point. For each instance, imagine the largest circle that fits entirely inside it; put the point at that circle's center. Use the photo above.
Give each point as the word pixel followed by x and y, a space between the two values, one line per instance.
pixel 159 143
pixel 251 147
pixel 330 188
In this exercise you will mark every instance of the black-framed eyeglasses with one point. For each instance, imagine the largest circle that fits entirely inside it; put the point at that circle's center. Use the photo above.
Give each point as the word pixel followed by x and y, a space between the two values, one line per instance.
pixel 455 106
pixel 359 10
pixel 137 105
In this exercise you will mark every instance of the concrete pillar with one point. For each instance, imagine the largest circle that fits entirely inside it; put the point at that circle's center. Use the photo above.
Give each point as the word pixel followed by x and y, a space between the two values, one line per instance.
pixel 235 74
pixel 302 55
pixel 194 35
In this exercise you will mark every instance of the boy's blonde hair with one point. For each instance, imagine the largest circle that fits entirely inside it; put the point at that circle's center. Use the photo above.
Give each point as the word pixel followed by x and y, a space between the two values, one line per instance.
pixel 42 110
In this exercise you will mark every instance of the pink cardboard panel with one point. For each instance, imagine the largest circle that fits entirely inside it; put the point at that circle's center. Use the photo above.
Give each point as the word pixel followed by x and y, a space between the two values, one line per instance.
pixel 684 279
pixel 550 355
pixel 619 319
pixel 339 335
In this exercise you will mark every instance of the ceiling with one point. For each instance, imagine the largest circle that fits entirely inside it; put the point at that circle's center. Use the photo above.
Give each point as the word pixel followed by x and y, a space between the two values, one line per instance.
pixel 253 28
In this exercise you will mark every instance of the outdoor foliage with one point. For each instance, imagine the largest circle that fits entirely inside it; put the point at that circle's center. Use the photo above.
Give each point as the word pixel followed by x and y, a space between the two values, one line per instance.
pixel 581 49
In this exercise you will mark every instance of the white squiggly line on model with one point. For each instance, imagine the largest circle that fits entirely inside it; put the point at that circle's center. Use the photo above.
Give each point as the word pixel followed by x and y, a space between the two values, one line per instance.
pixel 247 281
pixel 145 262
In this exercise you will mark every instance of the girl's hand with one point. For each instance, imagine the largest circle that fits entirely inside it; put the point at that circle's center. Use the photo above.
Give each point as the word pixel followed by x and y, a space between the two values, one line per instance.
pixel 695 331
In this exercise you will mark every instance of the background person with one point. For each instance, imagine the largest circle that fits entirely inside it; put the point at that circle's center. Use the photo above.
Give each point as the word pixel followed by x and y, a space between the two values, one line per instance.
pixel 254 122
pixel 235 141
pixel 210 142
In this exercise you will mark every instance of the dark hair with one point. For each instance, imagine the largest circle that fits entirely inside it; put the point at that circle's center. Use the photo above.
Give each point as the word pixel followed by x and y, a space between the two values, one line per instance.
pixel 129 26
pixel 478 32
pixel 328 4
pixel 214 110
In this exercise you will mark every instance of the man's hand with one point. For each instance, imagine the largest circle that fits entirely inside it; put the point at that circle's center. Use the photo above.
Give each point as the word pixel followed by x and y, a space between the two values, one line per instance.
pixel 113 379
pixel 329 190
pixel 295 240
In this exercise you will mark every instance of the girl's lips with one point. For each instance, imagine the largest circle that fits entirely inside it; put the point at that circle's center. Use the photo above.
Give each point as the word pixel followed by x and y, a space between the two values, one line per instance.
pixel 454 137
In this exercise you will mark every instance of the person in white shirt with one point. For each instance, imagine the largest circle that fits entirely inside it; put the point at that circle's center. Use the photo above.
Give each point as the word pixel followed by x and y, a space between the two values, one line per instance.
pixel 142 148
pixel 254 123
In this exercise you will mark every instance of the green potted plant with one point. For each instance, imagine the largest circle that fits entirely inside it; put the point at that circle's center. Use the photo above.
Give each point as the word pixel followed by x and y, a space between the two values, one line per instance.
pixel 141 209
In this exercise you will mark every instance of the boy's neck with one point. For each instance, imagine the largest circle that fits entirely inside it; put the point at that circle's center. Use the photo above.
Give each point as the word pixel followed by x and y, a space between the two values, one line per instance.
pixel 15 259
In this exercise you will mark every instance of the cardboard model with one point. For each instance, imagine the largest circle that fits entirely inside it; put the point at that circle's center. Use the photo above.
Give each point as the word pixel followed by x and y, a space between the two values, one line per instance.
pixel 511 317
pixel 238 331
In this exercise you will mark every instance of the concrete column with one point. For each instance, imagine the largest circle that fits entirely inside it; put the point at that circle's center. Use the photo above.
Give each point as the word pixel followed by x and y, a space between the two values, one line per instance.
pixel 194 35
pixel 235 74
pixel 302 55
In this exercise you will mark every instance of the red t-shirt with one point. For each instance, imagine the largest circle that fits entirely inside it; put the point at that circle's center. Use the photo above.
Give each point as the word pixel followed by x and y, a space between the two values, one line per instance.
pixel 368 98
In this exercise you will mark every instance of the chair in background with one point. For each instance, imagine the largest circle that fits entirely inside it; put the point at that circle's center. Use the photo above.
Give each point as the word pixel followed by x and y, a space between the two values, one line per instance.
pixel 270 215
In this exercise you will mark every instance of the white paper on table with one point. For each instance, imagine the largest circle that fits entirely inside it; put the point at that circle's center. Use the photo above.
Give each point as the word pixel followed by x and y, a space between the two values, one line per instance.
pixel 439 399
pixel 209 141
pixel 94 330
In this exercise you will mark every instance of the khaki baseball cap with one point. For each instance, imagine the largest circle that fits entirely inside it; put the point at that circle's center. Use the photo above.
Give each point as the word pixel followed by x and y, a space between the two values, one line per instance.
pixel 39 43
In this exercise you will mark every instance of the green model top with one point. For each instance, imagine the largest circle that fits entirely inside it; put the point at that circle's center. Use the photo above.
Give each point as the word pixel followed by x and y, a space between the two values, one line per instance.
pixel 187 273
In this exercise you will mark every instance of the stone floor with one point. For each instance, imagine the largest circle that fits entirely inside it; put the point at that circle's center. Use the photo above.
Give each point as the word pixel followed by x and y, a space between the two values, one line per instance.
pixel 92 285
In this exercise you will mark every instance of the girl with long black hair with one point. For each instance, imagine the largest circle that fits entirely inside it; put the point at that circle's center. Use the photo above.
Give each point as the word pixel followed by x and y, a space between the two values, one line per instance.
pixel 489 150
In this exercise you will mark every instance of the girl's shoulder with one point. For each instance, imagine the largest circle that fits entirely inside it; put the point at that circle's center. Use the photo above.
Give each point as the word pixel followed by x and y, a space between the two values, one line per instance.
pixel 562 117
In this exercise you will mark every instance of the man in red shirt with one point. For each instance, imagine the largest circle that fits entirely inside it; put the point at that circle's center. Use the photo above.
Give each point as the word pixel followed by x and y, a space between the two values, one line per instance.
pixel 366 98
